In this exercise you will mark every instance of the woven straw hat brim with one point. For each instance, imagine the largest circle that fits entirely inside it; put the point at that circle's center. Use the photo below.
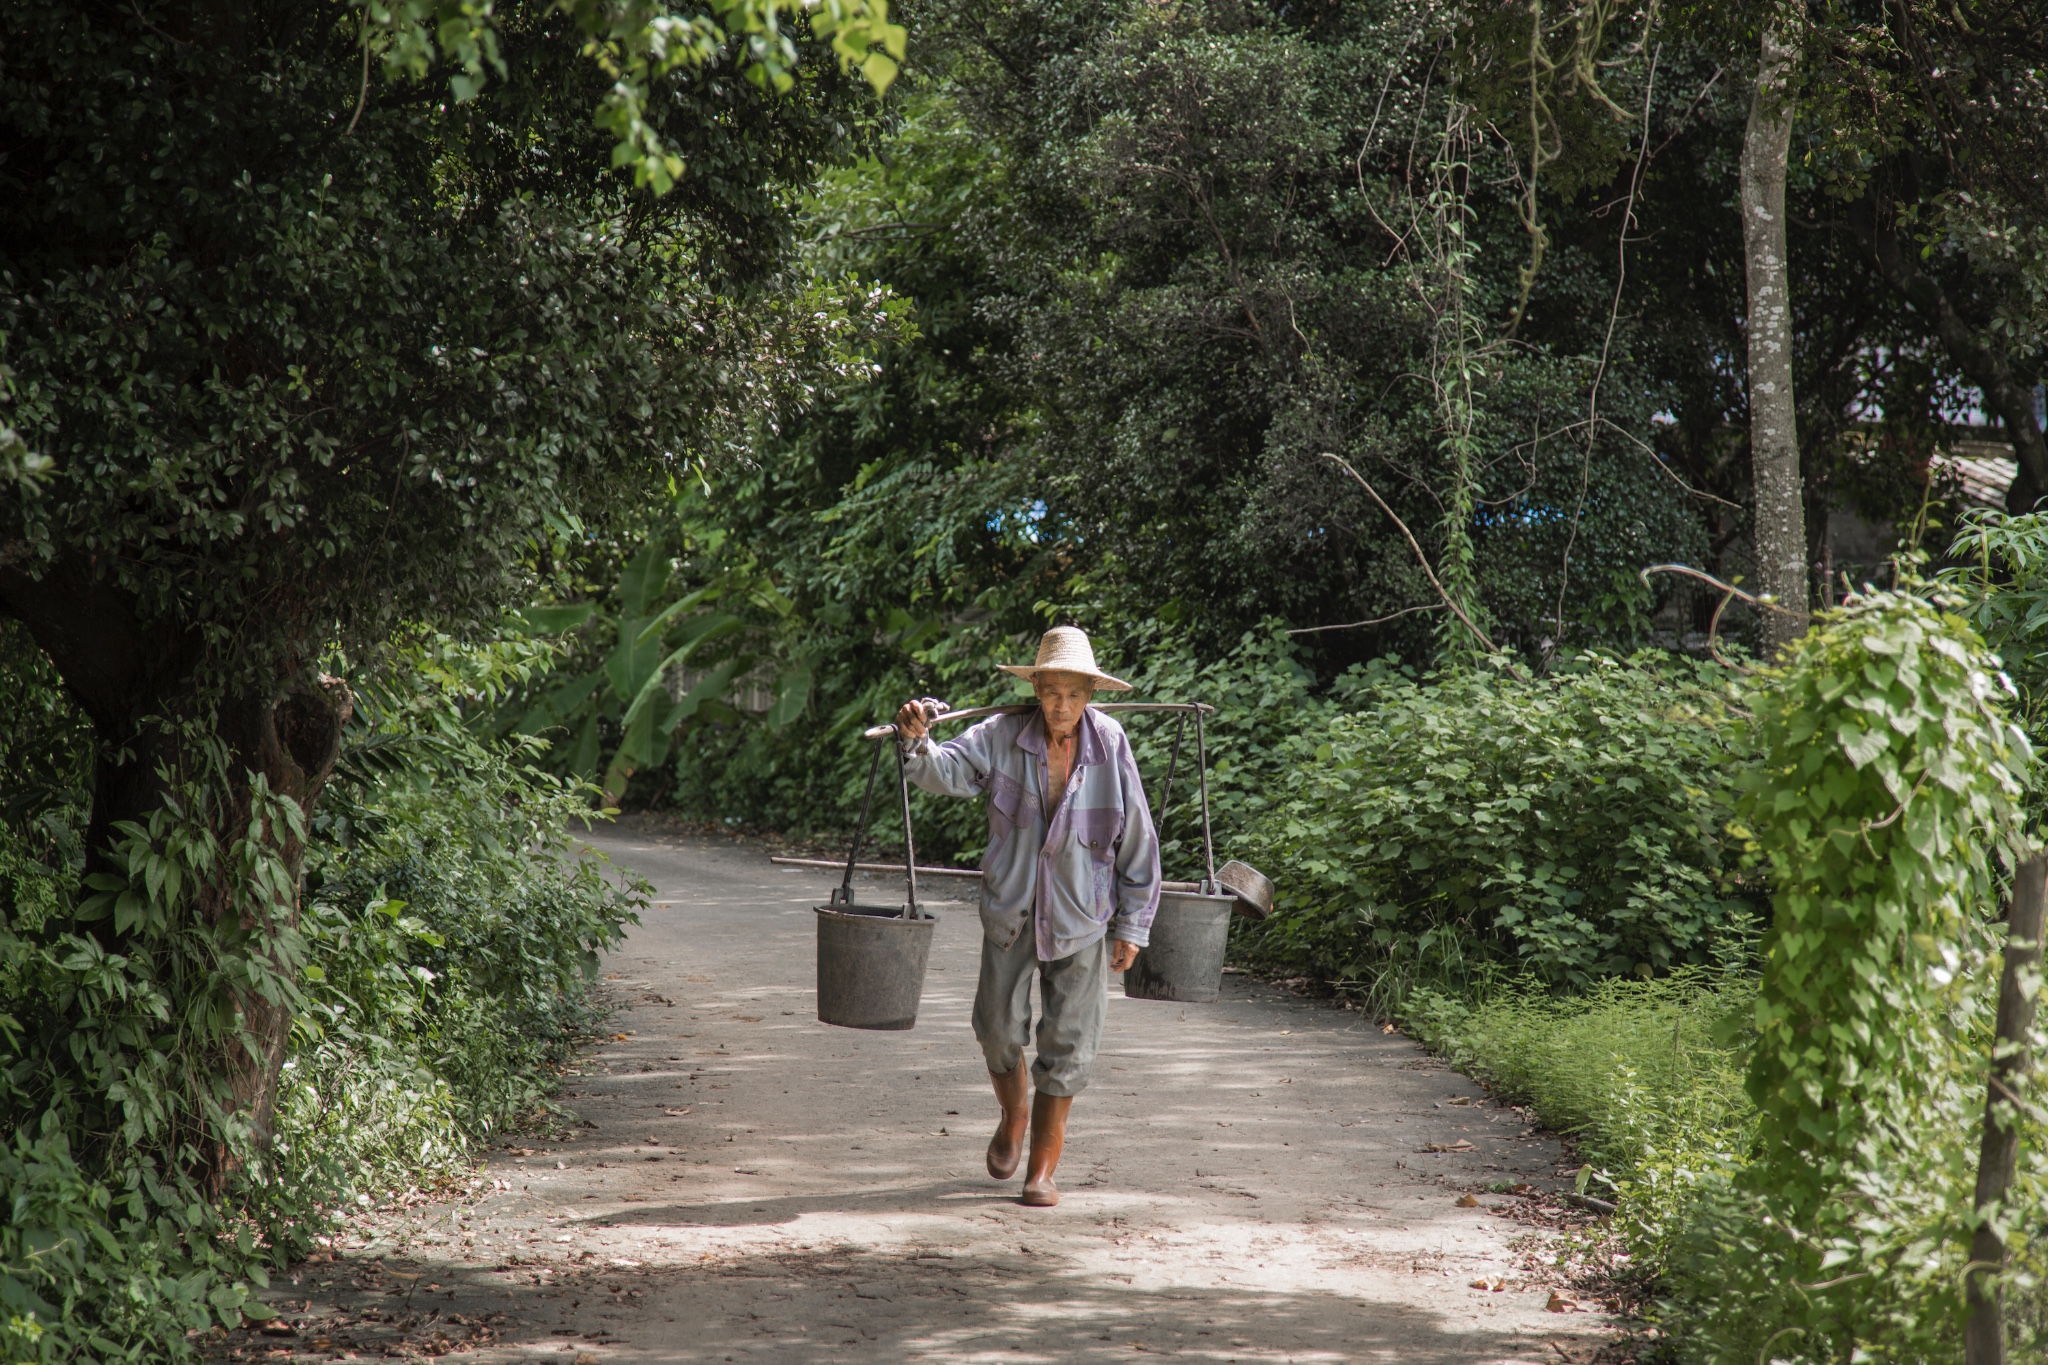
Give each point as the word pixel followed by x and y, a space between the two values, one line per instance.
pixel 1030 672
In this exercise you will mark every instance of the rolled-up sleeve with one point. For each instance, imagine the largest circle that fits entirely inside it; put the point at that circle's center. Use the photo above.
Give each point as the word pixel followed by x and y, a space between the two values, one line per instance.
pixel 1137 859
pixel 959 767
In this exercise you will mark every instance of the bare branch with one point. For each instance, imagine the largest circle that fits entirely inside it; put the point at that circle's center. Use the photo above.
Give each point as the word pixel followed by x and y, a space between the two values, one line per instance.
pixel 1628 219
pixel 1689 572
pixel 1423 560
pixel 1376 621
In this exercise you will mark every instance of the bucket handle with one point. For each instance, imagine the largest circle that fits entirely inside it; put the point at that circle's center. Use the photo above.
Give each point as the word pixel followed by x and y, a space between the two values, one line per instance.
pixel 1180 731
pixel 844 896
pixel 909 840
pixel 1208 847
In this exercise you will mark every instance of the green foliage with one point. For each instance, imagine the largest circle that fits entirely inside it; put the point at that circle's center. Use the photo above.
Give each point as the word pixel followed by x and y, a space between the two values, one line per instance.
pixel 1889 775
pixel 21 469
pixel 1571 826
pixel 1649 1079
pixel 636 45
pixel 1239 237
pixel 1997 573
pixel 651 635
pixel 318 360
pixel 45 751
pixel 77 1281
pixel 511 347
pixel 1265 698
pixel 455 909
pixel 1646 1076
pixel 116 1071
pixel 423 1026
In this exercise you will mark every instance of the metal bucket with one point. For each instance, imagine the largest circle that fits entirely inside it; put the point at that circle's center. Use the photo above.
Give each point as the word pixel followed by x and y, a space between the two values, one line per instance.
pixel 1184 960
pixel 871 965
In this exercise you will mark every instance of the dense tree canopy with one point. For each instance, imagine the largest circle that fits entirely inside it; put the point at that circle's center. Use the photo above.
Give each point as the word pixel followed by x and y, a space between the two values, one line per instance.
pixel 308 363
pixel 307 373
pixel 1159 263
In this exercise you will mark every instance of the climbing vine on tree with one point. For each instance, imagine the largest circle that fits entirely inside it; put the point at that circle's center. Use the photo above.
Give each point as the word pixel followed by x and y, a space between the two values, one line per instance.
pixel 1890 777
pixel 1890 771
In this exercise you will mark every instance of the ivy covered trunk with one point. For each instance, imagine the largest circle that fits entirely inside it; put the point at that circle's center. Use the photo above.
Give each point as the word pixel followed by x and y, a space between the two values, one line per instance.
pixel 291 737
pixel 161 729
pixel 1891 777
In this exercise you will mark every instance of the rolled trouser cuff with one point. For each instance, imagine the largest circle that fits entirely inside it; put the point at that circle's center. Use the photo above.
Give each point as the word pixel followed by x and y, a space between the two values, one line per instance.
pixel 1064 1083
pixel 1002 1057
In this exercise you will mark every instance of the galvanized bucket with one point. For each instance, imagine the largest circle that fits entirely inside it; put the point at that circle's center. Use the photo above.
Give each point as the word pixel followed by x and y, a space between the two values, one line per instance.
pixel 871 963
pixel 1184 960
pixel 871 958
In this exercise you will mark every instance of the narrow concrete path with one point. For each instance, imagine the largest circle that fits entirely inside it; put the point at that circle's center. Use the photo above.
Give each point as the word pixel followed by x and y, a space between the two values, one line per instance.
pixel 1245 1181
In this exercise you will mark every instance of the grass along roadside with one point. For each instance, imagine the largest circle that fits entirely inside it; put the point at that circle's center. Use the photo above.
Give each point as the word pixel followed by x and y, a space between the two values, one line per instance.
pixel 1644 1076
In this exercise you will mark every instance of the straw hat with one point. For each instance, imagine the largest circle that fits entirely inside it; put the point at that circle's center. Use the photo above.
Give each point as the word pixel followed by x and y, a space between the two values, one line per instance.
pixel 1065 649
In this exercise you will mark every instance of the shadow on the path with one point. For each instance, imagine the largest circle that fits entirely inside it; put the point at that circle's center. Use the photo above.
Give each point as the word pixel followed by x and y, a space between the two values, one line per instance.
pixel 858 1304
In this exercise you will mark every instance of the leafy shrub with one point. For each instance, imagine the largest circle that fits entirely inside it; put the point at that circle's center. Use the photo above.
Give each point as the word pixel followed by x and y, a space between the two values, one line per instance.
pixel 1648 1078
pixel 453 930
pixel 439 969
pixel 45 749
pixel 1265 701
pixel 1889 777
pixel 1794 1156
pixel 117 1242
pixel 1571 825
pixel 78 1282
pixel 461 924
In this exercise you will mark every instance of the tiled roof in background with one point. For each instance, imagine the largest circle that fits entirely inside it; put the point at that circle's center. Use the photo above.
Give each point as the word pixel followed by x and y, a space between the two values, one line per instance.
pixel 1984 468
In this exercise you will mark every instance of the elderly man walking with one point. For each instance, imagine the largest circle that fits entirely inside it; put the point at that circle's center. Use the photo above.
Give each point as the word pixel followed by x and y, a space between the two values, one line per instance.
pixel 1070 882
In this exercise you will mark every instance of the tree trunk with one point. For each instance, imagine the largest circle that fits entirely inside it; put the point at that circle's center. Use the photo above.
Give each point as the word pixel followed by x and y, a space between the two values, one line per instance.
pixel 1876 228
pixel 291 737
pixel 1984 1332
pixel 128 676
pixel 1773 424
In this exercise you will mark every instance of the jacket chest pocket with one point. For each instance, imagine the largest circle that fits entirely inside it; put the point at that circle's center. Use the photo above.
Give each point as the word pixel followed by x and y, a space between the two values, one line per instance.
pixel 1005 806
pixel 1096 833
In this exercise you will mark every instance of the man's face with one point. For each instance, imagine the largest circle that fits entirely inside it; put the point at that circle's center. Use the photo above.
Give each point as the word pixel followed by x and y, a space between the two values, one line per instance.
pixel 1062 697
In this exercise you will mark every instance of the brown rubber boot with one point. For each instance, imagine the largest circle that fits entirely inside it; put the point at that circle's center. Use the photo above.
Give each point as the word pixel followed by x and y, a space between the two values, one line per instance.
pixel 1006 1148
pixel 1048 1138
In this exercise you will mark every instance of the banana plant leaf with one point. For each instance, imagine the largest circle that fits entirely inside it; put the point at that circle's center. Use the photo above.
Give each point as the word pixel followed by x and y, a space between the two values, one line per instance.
pixel 649 638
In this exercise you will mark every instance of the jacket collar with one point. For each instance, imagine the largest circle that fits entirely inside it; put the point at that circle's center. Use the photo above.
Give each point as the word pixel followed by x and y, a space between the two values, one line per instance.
pixel 1089 751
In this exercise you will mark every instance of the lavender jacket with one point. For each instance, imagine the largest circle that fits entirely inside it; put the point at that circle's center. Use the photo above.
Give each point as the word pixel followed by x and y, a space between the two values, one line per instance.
pixel 1094 868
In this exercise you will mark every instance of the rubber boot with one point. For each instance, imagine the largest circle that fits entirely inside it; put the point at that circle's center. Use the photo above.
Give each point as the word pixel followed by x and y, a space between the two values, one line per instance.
pixel 1048 1138
pixel 1006 1148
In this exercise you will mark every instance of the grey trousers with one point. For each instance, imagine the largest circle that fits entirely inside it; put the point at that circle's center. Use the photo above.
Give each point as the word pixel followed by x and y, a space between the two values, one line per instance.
pixel 1073 997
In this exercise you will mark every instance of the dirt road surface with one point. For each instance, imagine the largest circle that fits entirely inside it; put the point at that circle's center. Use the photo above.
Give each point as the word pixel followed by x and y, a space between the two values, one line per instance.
pixel 1245 1181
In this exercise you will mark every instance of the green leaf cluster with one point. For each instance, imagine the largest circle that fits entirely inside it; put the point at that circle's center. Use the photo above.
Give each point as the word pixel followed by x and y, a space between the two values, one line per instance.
pixel 636 45
pixel 652 635
pixel 438 974
pixel 1890 779
pixel 1889 775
